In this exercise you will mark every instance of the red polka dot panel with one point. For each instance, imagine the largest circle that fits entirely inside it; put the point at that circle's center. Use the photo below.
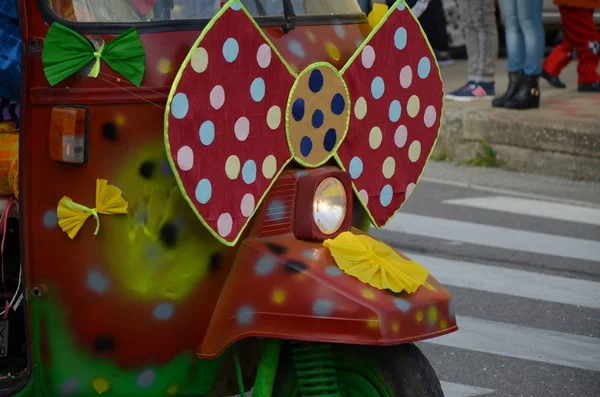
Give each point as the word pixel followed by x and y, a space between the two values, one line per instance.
pixel 397 98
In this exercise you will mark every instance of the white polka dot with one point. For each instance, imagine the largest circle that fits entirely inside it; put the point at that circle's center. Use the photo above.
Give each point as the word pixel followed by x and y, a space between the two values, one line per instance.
pixel 364 196
pixel 368 57
pixel 232 167
pixel 413 106
pixel 231 49
pixel 200 60
pixel 185 158
pixel 247 206
pixel 180 106
pixel 263 56
pixel 269 166
pixel 217 97
pixel 414 151
pixel 430 116
pixel 389 167
pixel 406 76
pixel 401 136
pixel 375 138
pixel 242 129
pixel 274 117
pixel 409 189
pixel 360 108
pixel 224 225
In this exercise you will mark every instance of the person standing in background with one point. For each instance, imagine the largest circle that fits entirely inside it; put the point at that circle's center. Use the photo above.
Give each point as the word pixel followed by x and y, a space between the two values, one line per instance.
pixel 580 34
pixel 481 34
pixel 525 40
pixel 433 21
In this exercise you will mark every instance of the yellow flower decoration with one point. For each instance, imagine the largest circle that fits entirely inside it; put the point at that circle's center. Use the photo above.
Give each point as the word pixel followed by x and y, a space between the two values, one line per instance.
pixel 72 216
pixel 375 263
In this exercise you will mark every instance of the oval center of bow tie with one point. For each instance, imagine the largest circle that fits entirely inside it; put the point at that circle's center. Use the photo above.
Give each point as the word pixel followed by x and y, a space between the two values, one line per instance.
pixel 318 114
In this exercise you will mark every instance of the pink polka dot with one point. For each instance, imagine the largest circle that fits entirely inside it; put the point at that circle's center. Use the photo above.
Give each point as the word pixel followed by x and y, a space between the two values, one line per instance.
pixel 242 129
pixel 185 158
pixel 247 206
pixel 409 189
pixel 217 97
pixel 368 57
pixel 406 77
pixel 430 116
pixel 364 196
pixel 263 56
pixel 224 225
pixel 401 136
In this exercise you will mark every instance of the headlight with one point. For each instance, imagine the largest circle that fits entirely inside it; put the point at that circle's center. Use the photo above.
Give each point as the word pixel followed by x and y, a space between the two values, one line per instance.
pixel 329 205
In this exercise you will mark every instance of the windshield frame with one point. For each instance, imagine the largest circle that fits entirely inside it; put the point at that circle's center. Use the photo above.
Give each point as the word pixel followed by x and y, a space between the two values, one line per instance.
pixel 189 24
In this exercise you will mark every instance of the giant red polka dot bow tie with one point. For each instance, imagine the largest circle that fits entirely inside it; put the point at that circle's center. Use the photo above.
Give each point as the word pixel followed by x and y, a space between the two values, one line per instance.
pixel 238 114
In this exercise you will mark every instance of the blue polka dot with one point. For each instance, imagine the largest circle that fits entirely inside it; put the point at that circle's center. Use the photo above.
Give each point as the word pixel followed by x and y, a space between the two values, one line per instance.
pixel 235 6
pixel 402 304
pixel 377 87
pixel 424 67
pixel 203 191
pixel 276 210
pixel 356 167
pixel 50 219
pixel 207 133
pixel 310 254
pixel 249 172
pixel 305 146
pixel 97 282
pixel 163 311
pixel 180 106
pixel 301 173
pixel 315 81
pixel 395 111
pixel 322 307
pixel 340 31
pixel 146 378
pixel 333 271
pixel 400 38
pixel 387 193
pixel 166 170
pixel 265 265
pixel 401 6
pixel 231 49
pixel 330 139
pixel 338 104
pixel 257 89
pixel 318 118
pixel 298 109
pixel 296 48
pixel 245 315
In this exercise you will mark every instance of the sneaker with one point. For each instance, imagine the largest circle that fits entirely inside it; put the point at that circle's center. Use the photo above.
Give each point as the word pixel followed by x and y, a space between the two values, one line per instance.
pixel 589 87
pixel 473 91
pixel 443 58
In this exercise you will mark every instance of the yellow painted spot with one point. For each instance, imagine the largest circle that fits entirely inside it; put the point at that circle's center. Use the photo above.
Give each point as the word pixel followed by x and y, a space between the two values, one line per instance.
pixel 443 324
pixel 269 166
pixel 165 66
pixel 274 117
pixel 395 326
pixel 333 51
pixel 172 390
pixel 278 296
pixel 200 60
pixel 232 167
pixel 120 120
pixel 375 138
pixel 414 105
pixel 100 385
pixel 373 323
pixel 389 167
pixel 367 293
pixel 432 315
pixel 419 316
pixel 414 151
pixel 311 36
pixel 360 108
pixel 429 286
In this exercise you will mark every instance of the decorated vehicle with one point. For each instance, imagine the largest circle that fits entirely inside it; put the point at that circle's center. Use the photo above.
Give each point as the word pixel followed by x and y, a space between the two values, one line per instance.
pixel 196 196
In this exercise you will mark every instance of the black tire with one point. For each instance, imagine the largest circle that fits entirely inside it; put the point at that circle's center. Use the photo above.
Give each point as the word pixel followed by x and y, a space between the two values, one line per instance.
pixel 402 370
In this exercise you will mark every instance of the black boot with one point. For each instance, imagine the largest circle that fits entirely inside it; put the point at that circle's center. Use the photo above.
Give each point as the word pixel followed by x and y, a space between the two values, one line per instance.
pixel 554 81
pixel 513 83
pixel 527 95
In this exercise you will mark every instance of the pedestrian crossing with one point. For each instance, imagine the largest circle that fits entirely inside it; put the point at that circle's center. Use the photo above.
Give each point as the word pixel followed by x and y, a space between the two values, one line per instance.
pixel 496 337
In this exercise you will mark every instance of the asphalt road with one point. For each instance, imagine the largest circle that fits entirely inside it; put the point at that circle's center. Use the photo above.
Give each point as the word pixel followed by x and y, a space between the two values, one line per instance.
pixel 521 256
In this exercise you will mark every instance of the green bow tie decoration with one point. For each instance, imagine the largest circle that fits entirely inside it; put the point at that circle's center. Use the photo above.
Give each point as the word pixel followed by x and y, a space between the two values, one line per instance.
pixel 66 52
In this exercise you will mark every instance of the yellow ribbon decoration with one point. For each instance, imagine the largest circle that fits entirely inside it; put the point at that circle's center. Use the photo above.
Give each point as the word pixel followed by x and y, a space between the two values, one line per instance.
pixel 96 68
pixel 72 216
pixel 377 13
pixel 375 263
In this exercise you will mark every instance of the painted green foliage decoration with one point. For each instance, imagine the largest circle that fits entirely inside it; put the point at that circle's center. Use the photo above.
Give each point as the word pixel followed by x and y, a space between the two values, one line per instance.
pixel 66 52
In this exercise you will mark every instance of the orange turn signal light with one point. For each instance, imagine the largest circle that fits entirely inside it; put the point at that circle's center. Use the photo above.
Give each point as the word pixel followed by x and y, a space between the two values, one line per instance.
pixel 68 134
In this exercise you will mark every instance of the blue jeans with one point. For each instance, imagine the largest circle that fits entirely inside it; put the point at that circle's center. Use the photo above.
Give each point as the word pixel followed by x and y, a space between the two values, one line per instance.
pixel 525 38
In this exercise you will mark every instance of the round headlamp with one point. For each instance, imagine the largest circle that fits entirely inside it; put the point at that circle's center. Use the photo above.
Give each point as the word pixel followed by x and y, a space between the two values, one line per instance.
pixel 329 205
